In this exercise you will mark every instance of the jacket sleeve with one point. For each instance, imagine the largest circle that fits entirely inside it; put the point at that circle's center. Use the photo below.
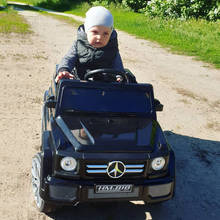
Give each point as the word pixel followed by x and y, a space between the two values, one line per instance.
pixel 117 63
pixel 69 60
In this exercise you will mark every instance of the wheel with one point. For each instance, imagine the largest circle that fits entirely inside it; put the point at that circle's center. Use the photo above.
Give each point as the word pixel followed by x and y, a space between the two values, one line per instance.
pixel 105 75
pixel 36 176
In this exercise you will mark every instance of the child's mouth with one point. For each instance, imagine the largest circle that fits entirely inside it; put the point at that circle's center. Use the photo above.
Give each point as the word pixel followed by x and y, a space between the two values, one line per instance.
pixel 98 44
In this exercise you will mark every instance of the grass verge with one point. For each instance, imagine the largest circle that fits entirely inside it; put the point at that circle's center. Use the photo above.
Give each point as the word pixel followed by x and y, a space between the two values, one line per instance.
pixel 12 22
pixel 68 20
pixel 197 38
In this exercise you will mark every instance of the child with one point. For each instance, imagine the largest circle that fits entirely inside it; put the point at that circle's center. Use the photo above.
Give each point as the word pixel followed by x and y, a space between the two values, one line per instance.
pixel 96 47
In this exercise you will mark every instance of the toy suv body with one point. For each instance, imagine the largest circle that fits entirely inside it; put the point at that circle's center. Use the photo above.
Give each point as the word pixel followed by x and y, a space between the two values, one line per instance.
pixel 101 142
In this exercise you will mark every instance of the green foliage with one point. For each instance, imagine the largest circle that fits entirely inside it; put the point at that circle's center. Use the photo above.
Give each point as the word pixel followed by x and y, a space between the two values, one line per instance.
pixel 184 9
pixel 134 5
pixel 3 3
pixel 196 37
pixel 105 3
pixel 58 5
pixel 208 9
pixel 214 13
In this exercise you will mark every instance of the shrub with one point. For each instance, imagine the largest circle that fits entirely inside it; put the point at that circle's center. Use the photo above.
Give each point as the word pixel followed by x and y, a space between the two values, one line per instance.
pixel 134 5
pixel 208 9
pixel 59 5
pixel 3 3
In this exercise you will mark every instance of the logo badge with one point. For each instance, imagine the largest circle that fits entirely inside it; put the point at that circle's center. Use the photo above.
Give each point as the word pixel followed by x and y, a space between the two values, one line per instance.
pixel 116 169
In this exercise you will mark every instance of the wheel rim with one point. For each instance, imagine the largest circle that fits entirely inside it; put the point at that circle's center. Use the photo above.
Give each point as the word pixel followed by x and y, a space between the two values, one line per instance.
pixel 35 171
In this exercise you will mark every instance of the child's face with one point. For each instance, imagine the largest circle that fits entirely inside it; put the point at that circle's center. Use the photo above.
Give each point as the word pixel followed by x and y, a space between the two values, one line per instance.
pixel 98 36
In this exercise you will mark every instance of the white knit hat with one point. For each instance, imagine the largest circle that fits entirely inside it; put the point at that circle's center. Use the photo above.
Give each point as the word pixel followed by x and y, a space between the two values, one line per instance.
pixel 98 16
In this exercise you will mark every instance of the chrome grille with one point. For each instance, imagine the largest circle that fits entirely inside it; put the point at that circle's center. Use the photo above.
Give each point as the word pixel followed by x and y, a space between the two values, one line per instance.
pixel 101 169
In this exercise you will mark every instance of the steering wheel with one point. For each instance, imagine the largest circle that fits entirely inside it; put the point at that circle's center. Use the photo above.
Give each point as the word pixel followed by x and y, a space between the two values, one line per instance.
pixel 105 75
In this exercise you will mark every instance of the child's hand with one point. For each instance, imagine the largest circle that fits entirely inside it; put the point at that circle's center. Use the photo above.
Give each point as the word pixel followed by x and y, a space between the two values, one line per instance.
pixel 64 74
pixel 119 78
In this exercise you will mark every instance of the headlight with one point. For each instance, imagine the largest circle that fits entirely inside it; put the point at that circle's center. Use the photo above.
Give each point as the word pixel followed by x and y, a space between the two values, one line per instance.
pixel 68 163
pixel 158 163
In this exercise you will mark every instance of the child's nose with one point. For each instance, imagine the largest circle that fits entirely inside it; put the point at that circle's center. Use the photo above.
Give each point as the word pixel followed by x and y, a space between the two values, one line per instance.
pixel 98 37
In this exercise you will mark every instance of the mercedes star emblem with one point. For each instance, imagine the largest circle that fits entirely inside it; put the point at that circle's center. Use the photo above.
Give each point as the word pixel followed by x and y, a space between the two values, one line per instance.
pixel 116 169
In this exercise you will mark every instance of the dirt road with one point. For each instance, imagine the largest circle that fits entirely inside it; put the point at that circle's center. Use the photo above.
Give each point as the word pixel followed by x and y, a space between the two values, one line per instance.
pixel 189 90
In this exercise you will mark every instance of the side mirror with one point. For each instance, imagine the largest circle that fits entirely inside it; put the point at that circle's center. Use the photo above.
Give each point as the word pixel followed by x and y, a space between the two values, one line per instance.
pixel 50 102
pixel 159 108
pixel 158 105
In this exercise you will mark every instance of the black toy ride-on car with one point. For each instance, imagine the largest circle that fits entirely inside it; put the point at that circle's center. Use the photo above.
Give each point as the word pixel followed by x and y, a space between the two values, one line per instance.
pixel 101 141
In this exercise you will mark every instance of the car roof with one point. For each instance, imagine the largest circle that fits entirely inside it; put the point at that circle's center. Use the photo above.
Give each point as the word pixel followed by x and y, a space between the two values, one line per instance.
pixel 104 97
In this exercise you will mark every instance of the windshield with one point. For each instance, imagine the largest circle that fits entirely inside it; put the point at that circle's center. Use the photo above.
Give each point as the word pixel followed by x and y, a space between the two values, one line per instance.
pixel 117 100
pixel 111 131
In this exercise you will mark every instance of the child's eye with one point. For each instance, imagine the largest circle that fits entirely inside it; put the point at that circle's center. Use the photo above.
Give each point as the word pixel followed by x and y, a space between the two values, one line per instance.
pixel 106 34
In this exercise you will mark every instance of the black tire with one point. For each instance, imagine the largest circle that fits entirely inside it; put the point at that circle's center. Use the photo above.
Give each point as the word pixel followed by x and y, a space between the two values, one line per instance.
pixel 36 182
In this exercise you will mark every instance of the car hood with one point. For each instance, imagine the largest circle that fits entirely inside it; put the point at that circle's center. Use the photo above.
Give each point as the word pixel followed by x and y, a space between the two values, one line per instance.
pixel 106 134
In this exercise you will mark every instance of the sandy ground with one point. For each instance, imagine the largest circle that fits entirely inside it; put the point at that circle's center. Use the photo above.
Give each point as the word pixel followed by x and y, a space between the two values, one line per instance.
pixel 189 90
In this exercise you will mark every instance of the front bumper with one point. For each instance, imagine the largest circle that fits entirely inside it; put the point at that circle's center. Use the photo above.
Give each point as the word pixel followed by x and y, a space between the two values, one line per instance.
pixel 69 192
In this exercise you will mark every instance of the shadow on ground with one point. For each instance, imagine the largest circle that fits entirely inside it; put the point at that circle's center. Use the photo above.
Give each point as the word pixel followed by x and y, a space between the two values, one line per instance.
pixel 197 173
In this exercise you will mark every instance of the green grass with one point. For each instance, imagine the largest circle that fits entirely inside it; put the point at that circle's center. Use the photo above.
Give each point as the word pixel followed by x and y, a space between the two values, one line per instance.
pixel 12 22
pixel 33 2
pixel 197 38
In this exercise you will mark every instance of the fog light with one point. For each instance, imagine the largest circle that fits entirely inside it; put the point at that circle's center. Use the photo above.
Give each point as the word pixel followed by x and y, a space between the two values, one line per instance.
pixel 63 193
pixel 68 163
pixel 158 163
pixel 160 190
